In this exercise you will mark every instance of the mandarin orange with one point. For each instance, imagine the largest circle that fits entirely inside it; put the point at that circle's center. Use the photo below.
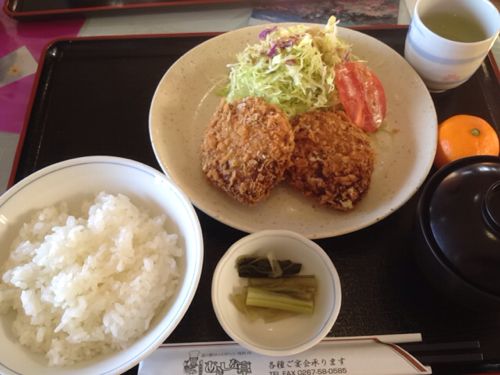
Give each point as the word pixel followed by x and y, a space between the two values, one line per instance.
pixel 465 135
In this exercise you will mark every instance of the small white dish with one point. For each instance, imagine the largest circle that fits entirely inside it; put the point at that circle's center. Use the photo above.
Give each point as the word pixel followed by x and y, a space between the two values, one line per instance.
pixel 73 181
pixel 291 335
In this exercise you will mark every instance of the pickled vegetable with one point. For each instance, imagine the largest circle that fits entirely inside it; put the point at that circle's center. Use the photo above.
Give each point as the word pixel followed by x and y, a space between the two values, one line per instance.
pixel 280 301
pixel 274 289
pixel 258 266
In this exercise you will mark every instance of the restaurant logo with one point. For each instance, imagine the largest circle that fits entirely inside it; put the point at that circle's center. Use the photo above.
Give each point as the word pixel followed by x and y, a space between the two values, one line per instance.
pixel 193 366
pixel 196 366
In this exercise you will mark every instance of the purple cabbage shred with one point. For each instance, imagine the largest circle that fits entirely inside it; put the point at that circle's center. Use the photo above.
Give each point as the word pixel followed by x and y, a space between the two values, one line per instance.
pixel 273 50
pixel 264 33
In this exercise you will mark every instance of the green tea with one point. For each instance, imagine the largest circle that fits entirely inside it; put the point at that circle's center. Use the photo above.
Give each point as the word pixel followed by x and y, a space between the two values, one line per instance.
pixel 455 27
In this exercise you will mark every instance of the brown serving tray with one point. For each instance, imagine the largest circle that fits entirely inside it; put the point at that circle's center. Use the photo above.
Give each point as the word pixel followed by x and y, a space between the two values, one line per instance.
pixel 92 96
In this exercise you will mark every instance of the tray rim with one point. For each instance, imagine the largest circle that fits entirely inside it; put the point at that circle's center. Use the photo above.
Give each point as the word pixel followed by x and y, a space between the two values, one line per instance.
pixel 41 64
pixel 32 14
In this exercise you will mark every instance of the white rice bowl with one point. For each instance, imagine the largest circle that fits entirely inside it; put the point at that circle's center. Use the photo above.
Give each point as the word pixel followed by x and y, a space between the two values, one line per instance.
pixel 97 290
pixel 91 284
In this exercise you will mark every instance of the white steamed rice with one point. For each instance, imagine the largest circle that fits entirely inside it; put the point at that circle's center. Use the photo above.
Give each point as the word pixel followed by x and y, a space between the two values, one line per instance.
pixel 90 284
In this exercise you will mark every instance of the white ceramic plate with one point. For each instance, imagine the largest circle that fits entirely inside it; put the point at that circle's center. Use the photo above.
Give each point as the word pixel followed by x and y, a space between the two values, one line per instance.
pixel 186 98
pixel 288 336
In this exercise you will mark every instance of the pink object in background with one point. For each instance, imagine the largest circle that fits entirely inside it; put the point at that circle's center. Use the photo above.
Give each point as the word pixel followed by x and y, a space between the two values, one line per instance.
pixel 33 35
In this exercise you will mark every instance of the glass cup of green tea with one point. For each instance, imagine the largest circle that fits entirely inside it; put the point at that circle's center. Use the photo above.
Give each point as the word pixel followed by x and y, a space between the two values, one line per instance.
pixel 449 39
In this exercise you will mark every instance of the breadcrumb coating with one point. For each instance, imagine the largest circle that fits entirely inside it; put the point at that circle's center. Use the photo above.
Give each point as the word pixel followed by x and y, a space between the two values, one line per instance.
pixel 332 161
pixel 247 148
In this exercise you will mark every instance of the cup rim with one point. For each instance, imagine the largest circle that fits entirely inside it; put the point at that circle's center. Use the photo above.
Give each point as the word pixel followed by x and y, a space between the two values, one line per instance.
pixel 490 36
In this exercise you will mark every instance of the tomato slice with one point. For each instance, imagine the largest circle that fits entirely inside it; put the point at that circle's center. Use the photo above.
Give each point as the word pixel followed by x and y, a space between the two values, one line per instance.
pixel 361 94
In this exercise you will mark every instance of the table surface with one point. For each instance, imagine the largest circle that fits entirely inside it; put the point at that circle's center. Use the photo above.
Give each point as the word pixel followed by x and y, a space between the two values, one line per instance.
pixel 21 46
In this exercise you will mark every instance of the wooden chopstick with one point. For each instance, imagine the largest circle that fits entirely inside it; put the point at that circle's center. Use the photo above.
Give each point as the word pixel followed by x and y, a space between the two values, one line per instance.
pixel 440 346
pixel 430 360
pixel 463 352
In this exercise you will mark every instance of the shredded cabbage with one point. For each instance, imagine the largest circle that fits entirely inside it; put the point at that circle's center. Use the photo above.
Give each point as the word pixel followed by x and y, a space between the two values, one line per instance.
pixel 291 67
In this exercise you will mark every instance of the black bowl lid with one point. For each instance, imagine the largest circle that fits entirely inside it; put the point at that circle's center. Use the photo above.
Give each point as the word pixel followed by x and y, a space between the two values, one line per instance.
pixel 461 203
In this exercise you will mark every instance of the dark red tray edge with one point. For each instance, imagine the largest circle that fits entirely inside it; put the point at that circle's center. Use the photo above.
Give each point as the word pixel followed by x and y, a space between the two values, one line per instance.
pixel 36 80
pixel 97 9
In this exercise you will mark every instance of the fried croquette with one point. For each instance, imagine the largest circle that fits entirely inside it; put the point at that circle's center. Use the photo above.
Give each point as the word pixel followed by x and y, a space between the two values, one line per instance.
pixel 246 148
pixel 332 160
